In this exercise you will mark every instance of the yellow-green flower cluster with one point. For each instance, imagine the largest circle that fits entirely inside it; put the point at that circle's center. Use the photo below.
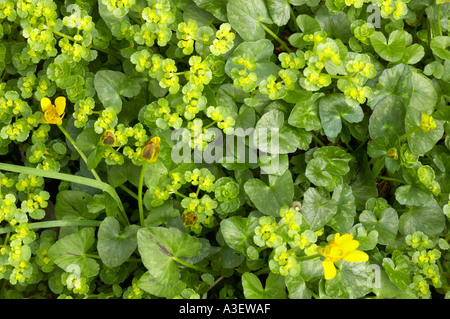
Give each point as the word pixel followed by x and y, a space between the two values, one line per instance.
pixel 222 116
pixel 325 49
pixel 224 41
pixel 132 139
pixel 21 197
pixel 119 8
pixel 243 76
pixel 160 113
pixel 39 15
pixel 186 34
pixel 397 9
pixel 427 123
pixel 193 99
pixel 82 109
pixel 198 208
pixel 106 120
pixel 289 237
pixel 199 72
pixel 425 258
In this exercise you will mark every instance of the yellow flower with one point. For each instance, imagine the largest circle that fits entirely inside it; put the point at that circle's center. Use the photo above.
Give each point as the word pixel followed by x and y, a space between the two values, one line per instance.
pixel 340 248
pixel 151 149
pixel 427 122
pixel 53 114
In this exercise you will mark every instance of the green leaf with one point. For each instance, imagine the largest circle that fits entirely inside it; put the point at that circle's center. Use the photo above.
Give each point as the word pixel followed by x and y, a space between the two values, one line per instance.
pixel 162 215
pixel 394 81
pixel 268 199
pixel 262 51
pixel 352 281
pixel 73 203
pixel 297 288
pixel 111 85
pixel 333 109
pixel 305 114
pixel 69 253
pixel 414 53
pixel 157 247
pixel 253 288
pixel 151 285
pixel 245 15
pixel 279 11
pixel 115 246
pixel 424 96
pixel 427 218
pixel 421 142
pixel 397 268
pixel 387 118
pixel 328 166
pixel 363 185
pixel 380 216
pixel 317 209
pixel 274 137
pixel 390 50
pixel 217 7
pixel 343 220
pixel 412 194
pixel 439 47
pixel 238 232
pixel 337 26
pixel 307 24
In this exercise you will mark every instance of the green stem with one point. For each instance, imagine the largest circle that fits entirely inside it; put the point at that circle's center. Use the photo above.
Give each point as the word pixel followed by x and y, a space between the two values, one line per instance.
pixel 317 140
pixel 141 185
pixel 194 267
pixel 179 194
pixel 92 256
pixel 309 257
pixel 439 19
pixel 56 223
pixel 70 178
pixel 209 125
pixel 297 28
pixel 390 179
pixel 73 40
pixel 129 191
pixel 275 37
pixel 83 156
pixel 407 134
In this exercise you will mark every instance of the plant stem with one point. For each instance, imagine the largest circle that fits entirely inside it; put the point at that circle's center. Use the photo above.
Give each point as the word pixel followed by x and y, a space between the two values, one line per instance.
pixel 73 40
pixel 129 191
pixel 309 257
pixel 390 179
pixel 407 134
pixel 141 185
pixel 194 267
pixel 439 19
pixel 317 140
pixel 70 178
pixel 83 156
pixel 179 194
pixel 56 223
pixel 297 28
pixel 276 37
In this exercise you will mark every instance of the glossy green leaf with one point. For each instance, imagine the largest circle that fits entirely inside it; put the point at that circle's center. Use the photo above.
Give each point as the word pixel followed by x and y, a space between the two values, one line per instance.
pixel 71 253
pixel 245 17
pixel 114 245
pixel 157 247
pixel 268 199
pixel 253 289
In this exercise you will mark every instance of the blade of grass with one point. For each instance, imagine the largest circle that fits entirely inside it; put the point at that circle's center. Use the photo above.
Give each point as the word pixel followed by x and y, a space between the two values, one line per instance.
pixel 71 178
pixel 56 223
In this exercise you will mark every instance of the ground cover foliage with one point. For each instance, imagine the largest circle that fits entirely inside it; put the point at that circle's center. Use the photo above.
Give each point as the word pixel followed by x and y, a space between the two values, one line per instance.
pixel 118 178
